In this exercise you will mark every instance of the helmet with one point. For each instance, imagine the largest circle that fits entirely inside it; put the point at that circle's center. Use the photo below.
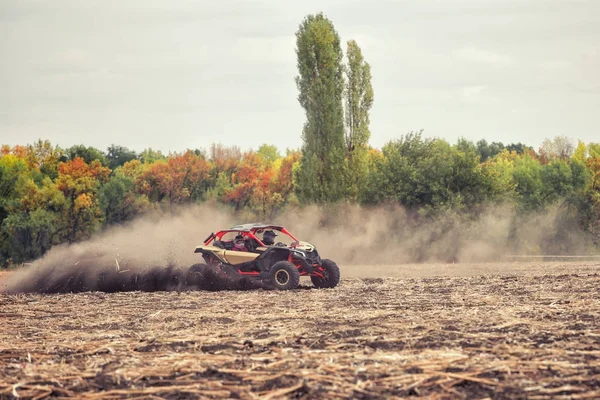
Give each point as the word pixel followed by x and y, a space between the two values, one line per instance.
pixel 238 242
pixel 269 237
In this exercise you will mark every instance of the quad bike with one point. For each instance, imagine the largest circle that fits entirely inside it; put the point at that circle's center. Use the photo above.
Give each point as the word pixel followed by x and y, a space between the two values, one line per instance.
pixel 280 265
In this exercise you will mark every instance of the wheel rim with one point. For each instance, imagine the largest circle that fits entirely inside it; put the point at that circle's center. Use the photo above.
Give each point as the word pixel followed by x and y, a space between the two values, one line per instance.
pixel 282 277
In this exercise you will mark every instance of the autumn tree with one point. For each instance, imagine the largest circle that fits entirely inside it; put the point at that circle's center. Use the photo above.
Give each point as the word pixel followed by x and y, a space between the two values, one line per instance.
pixel 358 101
pixel 45 157
pixel 581 153
pixel 30 205
pixel 593 149
pixel 79 182
pixel 176 179
pixel 268 153
pixel 196 173
pixel 224 160
pixel 86 153
pixel 245 180
pixel 284 177
pixel 275 188
pixel 559 147
pixel 589 208
pixel 498 171
pixel 150 156
pixel 262 186
pixel 320 176
pixel 34 224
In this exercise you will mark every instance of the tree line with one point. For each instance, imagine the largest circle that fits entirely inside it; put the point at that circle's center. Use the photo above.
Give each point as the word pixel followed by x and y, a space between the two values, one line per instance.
pixel 50 195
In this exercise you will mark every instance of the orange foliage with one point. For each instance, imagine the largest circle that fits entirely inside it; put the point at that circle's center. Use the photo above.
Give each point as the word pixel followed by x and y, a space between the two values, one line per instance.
pixel 225 159
pixel 264 186
pixel 79 182
pixel 83 201
pixel 541 156
pixel 245 180
pixel 77 168
pixel 284 181
pixel 175 178
pixel 20 151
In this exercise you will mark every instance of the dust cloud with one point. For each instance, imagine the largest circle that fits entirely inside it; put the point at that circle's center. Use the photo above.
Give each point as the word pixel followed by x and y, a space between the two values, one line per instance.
pixel 149 254
pixel 390 235
pixel 155 252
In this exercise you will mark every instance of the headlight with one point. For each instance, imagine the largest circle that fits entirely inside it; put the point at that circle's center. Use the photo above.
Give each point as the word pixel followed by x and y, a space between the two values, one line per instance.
pixel 299 253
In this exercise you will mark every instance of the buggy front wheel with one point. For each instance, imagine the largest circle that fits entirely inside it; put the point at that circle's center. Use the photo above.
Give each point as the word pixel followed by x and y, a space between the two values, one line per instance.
pixel 284 275
pixel 331 273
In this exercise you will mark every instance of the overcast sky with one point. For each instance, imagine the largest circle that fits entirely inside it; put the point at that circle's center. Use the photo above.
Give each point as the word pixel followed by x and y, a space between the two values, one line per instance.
pixel 182 74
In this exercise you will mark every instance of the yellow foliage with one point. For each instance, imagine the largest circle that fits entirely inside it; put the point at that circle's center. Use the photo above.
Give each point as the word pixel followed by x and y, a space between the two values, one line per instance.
pixel 500 169
pixel 134 168
pixel 580 152
pixel 83 201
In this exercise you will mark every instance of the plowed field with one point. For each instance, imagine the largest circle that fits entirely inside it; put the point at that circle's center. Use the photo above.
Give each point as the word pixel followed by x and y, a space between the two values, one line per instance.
pixel 444 331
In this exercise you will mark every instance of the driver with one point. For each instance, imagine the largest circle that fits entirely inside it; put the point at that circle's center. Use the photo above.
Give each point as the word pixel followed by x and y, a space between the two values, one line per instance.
pixel 239 243
pixel 269 238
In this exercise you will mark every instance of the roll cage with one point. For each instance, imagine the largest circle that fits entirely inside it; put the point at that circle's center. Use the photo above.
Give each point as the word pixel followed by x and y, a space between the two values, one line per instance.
pixel 250 231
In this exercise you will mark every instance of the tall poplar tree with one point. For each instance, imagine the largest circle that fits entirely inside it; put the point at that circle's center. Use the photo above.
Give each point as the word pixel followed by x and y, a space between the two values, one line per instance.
pixel 321 174
pixel 358 102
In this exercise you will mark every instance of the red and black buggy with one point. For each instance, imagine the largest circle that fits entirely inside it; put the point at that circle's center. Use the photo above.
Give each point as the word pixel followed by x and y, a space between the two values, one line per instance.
pixel 250 250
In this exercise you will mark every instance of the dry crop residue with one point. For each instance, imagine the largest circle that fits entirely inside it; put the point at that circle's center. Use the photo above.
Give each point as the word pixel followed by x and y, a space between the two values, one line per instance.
pixel 494 336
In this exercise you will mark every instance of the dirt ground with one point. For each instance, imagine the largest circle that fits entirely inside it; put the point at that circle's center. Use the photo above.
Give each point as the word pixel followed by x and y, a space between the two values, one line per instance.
pixel 418 331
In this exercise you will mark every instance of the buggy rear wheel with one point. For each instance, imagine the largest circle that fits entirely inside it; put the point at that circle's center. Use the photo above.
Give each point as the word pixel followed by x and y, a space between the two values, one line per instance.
pixel 200 273
pixel 284 275
pixel 331 272
pixel 194 274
